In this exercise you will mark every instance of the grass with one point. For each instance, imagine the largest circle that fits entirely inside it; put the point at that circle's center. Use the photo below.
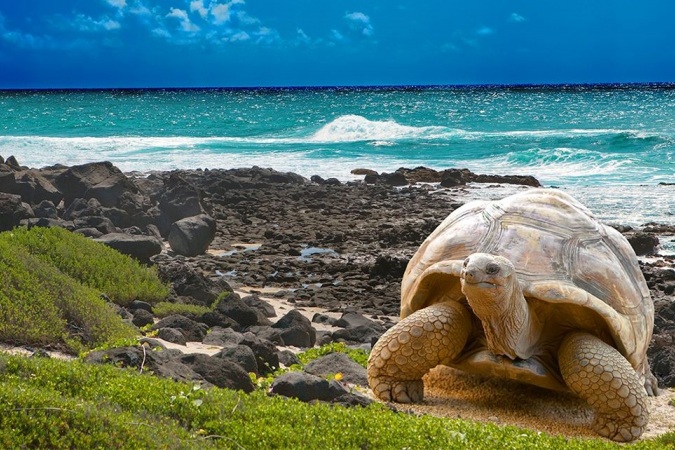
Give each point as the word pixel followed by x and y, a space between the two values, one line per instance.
pixel 51 286
pixel 49 403
pixel 164 309
pixel 121 278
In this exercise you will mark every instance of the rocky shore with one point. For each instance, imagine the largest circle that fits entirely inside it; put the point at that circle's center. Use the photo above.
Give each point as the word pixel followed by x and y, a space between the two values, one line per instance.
pixel 306 243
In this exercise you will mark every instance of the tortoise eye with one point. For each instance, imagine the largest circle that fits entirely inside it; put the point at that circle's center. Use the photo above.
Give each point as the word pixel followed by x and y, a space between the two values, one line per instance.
pixel 492 269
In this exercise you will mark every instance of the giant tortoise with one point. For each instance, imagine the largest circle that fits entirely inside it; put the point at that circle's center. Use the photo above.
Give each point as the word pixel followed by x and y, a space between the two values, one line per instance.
pixel 533 288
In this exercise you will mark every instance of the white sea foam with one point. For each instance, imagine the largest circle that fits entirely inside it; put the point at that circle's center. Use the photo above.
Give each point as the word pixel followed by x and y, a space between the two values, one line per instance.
pixel 354 128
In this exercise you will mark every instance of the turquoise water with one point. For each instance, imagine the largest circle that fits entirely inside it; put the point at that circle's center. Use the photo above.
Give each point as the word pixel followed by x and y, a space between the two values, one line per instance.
pixel 609 146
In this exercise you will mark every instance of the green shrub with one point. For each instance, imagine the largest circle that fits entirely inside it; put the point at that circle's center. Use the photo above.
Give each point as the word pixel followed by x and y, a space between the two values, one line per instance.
pixel 164 309
pixel 358 355
pixel 120 277
pixel 55 404
pixel 39 305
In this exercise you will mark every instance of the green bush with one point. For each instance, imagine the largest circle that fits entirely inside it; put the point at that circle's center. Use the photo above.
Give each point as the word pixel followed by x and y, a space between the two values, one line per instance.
pixel 118 276
pixel 164 309
pixel 55 404
pixel 39 305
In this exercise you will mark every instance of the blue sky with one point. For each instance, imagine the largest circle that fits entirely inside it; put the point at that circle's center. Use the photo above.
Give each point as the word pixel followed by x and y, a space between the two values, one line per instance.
pixel 218 43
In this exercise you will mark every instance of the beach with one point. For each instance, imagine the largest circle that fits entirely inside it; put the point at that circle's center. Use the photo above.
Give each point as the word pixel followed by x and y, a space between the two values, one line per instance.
pixel 330 249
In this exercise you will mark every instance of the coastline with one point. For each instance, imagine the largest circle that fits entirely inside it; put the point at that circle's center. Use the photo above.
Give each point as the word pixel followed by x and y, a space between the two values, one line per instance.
pixel 309 243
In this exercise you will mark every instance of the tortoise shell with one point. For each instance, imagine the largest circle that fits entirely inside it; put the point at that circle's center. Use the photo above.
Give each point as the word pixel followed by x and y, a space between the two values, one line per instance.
pixel 564 258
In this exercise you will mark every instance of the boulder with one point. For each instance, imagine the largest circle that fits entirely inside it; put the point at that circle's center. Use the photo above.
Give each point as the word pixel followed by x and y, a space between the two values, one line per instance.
pixel 142 318
pixel 141 248
pixel 188 282
pixel 234 307
pixel 46 209
pixel 242 355
pixel 296 330
pixel 99 180
pixel 362 334
pixel 644 243
pixel 223 337
pixel 12 211
pixel 265 353
pixel 306 387
pixel 34 189
pixel 193 331
pixel 173 335
pixel 338 362
pixel 191 236
pixel 177 200
pixel 221 372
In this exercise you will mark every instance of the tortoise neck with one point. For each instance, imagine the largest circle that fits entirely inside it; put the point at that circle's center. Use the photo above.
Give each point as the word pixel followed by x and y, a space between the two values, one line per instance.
pixel 511 327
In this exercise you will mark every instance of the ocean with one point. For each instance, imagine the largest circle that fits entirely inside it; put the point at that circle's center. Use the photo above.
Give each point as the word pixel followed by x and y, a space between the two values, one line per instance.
pixel 612 146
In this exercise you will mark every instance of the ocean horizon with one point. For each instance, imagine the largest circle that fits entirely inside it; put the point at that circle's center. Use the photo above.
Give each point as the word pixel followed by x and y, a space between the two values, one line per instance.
pixel 611 145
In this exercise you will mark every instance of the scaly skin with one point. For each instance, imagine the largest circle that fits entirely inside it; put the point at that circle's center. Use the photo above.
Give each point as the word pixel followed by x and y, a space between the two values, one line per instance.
pixel 599 374
pixel 407 351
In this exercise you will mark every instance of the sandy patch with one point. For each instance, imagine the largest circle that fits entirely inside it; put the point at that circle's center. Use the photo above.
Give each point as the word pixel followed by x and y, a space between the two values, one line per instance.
pixel 450 393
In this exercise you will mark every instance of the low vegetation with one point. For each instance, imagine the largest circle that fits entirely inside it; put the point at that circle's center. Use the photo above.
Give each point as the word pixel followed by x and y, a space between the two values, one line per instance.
pixel 121 278
pixel 55 404
pixel 55 286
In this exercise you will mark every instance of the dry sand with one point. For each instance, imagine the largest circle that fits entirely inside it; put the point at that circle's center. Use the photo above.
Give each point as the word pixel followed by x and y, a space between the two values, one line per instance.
pixel 450 393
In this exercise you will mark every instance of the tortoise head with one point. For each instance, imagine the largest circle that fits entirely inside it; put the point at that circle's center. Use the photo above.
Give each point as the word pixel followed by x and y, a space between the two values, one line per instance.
pixel 488 282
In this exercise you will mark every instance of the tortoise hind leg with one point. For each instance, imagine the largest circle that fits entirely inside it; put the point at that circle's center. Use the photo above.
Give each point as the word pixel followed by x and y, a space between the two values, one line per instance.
pixel 599 374
pixel 400 358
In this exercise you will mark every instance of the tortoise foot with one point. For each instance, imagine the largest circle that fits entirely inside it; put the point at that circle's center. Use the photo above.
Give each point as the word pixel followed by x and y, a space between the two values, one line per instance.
pixel 399 391
pixel 619 431
pixel 599 374
pixel 408 350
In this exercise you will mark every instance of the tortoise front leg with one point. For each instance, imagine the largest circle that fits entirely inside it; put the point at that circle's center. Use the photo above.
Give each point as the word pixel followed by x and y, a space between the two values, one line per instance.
pixel 407 351
pixel 599 374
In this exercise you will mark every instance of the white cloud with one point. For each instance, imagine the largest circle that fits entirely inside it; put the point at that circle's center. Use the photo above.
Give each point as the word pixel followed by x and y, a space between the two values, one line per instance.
pixel 336 35
pixel 516 18
pixel 266 35
pixel 161 32
pixel 240 36
pixel 198 6
pixel 360 23
pixel 302 36
pixel 245 19
pixel 485 31
pixel 117 3
pixel 221 13
pixel 89 24
pixel 185 22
